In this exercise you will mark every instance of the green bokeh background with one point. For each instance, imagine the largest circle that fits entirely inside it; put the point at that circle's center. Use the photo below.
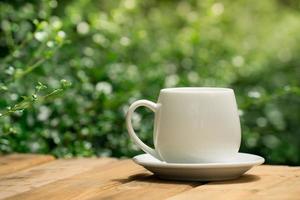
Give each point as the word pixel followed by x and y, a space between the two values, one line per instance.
pixel 115 52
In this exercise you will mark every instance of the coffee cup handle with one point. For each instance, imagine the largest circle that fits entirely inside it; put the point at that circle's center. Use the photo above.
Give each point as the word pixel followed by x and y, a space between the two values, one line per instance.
pixel 152 106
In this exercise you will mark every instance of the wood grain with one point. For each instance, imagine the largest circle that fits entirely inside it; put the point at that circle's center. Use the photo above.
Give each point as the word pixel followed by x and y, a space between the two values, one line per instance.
pixel 87 184
pixel 145 187
pixel 105 178
pixel 288 189
pixel 251 185
pixel 38 176
pixel 15 162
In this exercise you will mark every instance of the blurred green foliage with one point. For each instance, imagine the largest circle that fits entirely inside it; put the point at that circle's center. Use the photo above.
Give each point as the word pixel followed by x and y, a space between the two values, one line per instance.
pixel 115 52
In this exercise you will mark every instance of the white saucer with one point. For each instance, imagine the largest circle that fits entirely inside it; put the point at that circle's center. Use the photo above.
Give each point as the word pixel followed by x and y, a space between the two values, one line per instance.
pixel 232 169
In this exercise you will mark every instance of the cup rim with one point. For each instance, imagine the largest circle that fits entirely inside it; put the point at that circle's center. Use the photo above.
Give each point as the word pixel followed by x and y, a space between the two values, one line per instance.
pixel 196 90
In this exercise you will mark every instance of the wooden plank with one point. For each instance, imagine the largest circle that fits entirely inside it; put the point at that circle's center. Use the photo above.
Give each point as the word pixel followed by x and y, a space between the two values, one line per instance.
pixel 143 188
pixel 87 184
pixel 126 180
pixel 288 189
pixel 261 178
pixel 15 162
pixel 38 176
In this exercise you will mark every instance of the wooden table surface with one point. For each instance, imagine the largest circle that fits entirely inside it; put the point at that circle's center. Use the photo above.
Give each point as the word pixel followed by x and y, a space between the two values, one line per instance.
pixel 25 176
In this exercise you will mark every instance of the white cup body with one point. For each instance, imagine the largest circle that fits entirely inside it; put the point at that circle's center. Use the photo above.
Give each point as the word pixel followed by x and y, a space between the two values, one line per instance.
pixel 194 125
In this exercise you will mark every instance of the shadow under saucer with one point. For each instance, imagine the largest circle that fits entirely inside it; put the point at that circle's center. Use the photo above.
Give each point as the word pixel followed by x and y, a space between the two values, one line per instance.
pixel 151 178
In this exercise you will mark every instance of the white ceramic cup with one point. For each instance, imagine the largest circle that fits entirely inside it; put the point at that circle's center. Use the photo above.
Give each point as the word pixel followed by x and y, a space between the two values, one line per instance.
pixel 192 125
